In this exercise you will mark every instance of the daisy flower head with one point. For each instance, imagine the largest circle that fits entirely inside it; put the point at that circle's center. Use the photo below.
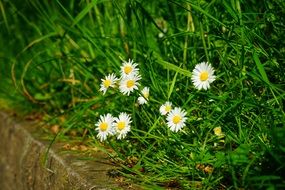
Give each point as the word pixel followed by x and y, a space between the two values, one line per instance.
pixel 165 108
pixel 109 81
pixel 176 119
pixel 105 126
pixel 145 94
pixel 129 83
pixel 203 75
pixel 122 125
pixel 129 68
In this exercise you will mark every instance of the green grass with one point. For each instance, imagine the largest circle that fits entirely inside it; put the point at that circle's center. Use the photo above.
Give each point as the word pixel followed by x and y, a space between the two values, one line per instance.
pixel 54 53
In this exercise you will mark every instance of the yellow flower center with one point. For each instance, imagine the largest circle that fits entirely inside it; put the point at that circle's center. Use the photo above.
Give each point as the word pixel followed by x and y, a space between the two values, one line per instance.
pixel 176 119
pixel 128 69
pixel 121 125
pixel 107 83
pixel 218 131
pixel 167 108
pixel 130 83
pixel 204 76
pixel 146 95
pixel 103 126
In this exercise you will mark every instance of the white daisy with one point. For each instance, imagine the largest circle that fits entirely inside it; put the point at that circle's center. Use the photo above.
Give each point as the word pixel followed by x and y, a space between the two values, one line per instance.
pixel 176 119
pixel 203 76
pixel 145 94
pixel 122 125
pixel 105 126
pixel 109 81
pixel 129 68
pixel 165 108
pixel 129 84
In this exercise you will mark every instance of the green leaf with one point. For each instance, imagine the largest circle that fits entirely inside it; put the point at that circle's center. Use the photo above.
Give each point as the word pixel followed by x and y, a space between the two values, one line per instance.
pixel 199 9
pixel 240 155
pixel 81 15
pixel 231 11
pixel 175 68
pixel 260 68
pixel 39 96
pixel 172 85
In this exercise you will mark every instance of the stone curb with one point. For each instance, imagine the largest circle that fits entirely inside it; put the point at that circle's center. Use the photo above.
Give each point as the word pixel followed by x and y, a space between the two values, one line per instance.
pixel 24 164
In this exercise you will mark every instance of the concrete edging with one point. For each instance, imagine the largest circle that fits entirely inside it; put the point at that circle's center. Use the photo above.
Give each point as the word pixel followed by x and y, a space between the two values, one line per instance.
pixel 22 162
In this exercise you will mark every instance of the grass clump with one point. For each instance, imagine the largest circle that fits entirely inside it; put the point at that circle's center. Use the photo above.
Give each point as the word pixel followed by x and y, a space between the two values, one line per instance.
pixel 226 130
